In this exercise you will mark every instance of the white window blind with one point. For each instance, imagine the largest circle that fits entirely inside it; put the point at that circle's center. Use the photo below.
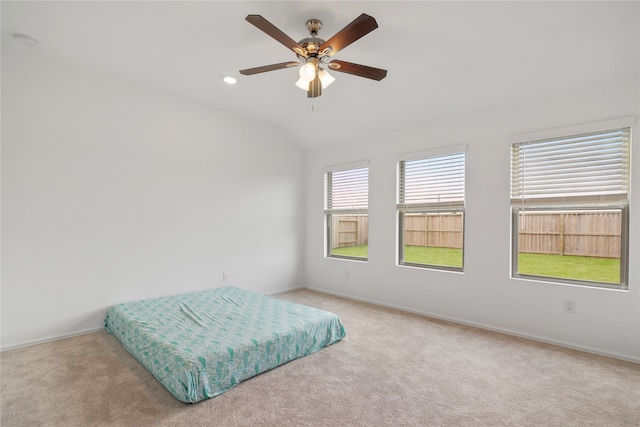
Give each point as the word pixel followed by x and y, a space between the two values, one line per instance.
pixel 590 167
pixel 347 190
pixel 434 182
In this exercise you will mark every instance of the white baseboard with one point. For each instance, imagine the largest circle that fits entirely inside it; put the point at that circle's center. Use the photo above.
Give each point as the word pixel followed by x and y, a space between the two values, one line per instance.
pixel 51 338
pixel 538 338
pixel 95 329
pixel 282 291
pixel 378 303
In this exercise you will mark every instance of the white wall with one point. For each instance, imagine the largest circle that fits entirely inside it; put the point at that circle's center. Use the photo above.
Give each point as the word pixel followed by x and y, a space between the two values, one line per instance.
pixel 112 193
pixel 605 321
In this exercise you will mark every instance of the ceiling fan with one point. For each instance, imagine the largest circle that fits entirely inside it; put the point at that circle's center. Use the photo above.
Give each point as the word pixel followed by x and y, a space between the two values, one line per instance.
pixel 313 53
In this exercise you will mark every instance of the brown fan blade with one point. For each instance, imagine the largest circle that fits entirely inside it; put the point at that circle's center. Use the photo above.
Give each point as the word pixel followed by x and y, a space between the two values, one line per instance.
pixel 265 68
pixel 273 31
pixel 359 27
pixel 358 70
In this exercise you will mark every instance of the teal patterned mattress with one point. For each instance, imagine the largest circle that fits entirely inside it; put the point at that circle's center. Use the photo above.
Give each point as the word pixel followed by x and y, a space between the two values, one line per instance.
pixel 200 344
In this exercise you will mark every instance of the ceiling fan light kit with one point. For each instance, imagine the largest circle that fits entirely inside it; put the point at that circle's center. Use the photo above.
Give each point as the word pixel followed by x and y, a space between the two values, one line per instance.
pixel 312 52
pixel 308 70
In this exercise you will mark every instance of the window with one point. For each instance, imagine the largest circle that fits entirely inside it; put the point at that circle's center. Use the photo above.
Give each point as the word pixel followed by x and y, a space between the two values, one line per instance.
pixel 569 202
pixel 346 202
pixel 430 209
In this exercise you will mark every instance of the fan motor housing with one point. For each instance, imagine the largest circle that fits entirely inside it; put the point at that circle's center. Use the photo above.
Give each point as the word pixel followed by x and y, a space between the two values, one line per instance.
pixel 311 45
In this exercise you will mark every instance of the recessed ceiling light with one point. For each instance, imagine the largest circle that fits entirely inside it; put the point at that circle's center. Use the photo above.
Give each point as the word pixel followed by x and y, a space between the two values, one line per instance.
pixel 25 40
pixel 230 80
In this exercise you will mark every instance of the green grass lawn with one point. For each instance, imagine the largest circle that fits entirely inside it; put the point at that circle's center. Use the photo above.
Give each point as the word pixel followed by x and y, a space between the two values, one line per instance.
pixel 355 251
pixel 413 254
pixel 602 270
pixel 445 257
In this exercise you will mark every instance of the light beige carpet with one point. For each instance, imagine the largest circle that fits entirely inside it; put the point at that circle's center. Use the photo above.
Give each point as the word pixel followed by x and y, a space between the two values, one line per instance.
pixel 393 368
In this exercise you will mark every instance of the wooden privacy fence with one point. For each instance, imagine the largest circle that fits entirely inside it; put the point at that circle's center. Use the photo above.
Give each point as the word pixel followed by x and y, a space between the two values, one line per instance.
pixel 593 234
pixel 349 230
pixel 433 230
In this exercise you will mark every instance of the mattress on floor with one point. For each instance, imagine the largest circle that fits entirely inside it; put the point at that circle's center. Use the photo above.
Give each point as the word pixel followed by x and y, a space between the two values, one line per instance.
pixel 200 344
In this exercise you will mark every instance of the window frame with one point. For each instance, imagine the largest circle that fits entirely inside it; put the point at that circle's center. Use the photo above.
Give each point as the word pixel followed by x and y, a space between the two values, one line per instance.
pixel 437 208
pixel 329 211
pixel 574 203
pixel 624 246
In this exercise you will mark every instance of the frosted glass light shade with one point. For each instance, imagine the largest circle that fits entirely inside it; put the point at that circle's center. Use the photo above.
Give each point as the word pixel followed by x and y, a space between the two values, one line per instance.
pixel 308 71
pixel 303 84
pixel 325 78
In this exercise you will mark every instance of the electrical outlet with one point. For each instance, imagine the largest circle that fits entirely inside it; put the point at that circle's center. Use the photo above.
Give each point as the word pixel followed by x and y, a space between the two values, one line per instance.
pixel 225 277
pixel 569 306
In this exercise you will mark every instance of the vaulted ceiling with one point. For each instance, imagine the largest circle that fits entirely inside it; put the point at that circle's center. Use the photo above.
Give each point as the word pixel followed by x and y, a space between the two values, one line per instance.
pixel 443 59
